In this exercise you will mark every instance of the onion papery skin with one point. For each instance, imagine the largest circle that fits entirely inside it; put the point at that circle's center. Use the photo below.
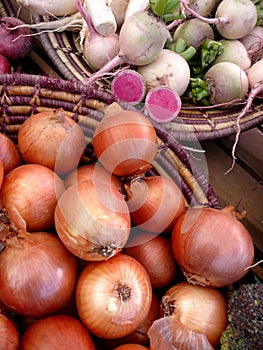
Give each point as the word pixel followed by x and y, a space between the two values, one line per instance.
pixel 125 143
pixel 155 203
pixel 37 274
pixel 212 247
pixel 201 309
pixel 57 332
pixel 52 139
pixel 98 226
pixel 92 172
pixel 113 296
pixel 139 336
pixel 9 336
pixel 9 154
pixel 156 255
pixel 170 333
pixel 32 191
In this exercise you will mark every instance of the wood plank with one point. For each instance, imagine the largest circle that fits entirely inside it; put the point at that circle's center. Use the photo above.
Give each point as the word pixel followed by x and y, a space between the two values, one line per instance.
pixel 238 188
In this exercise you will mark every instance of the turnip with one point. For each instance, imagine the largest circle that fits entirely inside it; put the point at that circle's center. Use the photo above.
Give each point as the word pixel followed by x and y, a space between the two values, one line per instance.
pixel 162 104
pixel 233 18
pixel 49 7
pixel 233 51
pixel 129 86
pixel 136 5
pixel 16 44
pixel 5 66
pixel 141 38
pixel 203 7
pixel 101 16
pixel 193 32
pixel 168 69
pixel 97 49
pixel 253 42
pixel 118 8
pixel 225 84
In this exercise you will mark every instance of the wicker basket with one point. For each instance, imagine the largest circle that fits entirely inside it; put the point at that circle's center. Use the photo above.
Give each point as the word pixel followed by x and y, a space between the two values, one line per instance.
pixel 191 124
pixel 23 94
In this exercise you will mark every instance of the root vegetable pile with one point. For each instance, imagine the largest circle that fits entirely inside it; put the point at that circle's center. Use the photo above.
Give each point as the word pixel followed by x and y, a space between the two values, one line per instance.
pixel 109 255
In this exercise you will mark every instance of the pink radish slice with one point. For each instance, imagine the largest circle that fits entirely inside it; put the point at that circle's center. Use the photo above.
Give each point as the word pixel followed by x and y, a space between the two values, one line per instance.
pixel 163 104
pixel 129 86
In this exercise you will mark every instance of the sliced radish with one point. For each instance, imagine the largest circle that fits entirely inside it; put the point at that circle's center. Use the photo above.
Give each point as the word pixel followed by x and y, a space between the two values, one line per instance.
pixel 129 86
pixel 163 104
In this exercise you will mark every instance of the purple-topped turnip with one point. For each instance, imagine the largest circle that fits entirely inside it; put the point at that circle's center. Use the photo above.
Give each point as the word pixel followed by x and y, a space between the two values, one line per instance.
pixel 17 43
pixel 233 18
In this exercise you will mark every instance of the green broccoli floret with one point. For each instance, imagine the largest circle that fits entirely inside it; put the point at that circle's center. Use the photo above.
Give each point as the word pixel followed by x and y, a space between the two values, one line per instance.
pixel 245 316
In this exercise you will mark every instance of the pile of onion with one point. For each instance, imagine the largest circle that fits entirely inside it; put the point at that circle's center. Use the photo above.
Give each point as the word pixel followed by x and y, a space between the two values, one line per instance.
pixel 212 247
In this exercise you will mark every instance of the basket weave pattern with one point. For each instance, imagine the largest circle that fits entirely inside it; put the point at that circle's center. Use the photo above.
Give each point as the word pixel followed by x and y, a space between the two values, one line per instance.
pixel 22 95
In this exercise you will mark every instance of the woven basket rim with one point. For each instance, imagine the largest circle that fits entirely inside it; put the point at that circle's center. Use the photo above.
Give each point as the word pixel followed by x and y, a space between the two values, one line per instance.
pixel 190 124
pixel 24 94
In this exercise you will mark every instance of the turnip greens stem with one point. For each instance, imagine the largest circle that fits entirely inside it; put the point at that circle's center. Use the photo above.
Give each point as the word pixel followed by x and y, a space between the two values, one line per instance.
pixel 209 50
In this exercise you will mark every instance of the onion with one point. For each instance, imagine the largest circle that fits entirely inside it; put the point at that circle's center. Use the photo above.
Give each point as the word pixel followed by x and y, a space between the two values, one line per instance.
pixel 9 337
pixel 212 247
pixel 9 154
pixel 51 139
pixel 57 332
pixel 139 336
pixel 125 143
pixel 156 255
pixel 30 191
pixel 37 273
pixel 114 296
pixel 201 309
pixel 155 203
pixel 98 226
pixel 92 172
pixel 170 333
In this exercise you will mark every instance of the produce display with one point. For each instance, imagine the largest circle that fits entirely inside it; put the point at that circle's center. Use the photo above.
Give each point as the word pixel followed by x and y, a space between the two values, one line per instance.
pixel 98 249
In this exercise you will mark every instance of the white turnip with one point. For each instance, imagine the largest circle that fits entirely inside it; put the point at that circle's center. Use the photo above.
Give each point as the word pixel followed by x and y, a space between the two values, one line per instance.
pixel 97 49
pixel 136 5
pixel 168 69
pixel 203 7
pixel 233 18
pixel 233 51
pixel 193 32
pixel 225 84
pixel 101 16
pixel 118 8
pixel 253 42
pixel 49 7
pixel 141 39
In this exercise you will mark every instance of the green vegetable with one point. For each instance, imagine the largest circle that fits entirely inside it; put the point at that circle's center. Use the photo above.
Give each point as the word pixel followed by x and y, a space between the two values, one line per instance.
pixel 245 315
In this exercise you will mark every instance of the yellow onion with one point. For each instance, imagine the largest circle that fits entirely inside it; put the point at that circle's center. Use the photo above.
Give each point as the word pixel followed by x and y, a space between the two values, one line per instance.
pixel 52 139
pixel 92 219
pixel 125 143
